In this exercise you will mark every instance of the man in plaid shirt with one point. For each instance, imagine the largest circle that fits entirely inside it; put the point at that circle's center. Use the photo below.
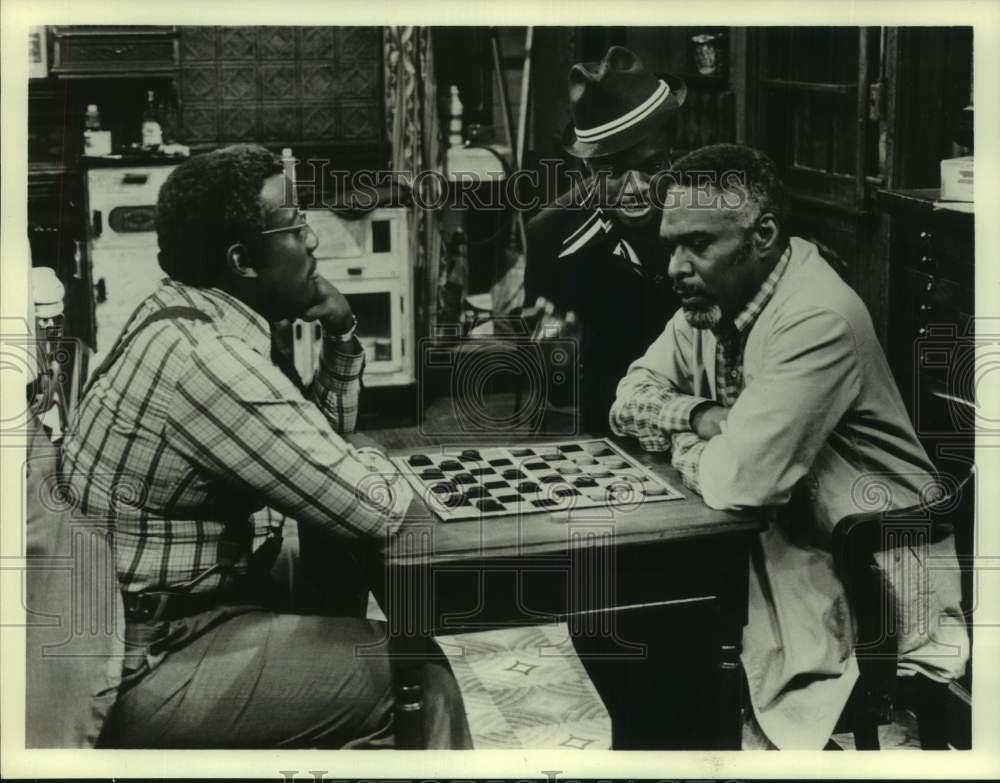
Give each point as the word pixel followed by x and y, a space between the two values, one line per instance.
pixel 197 423
pixel 771 391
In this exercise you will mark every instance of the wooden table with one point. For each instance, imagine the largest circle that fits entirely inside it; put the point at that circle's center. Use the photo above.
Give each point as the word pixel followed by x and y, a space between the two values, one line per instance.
pixel 589 569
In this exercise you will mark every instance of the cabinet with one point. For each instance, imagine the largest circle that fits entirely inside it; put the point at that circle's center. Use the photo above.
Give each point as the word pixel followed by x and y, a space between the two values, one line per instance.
pixel 368 260
pixel 932 351
pixel 121 209
pixel 114 51
pixel 932 327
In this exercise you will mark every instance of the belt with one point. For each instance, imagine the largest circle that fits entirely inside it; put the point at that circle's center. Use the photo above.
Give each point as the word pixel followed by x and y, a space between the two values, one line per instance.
pixel 153 606
pixel 150 606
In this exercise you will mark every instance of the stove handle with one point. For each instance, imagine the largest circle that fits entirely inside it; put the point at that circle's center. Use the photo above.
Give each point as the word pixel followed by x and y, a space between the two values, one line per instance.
pixel 97 222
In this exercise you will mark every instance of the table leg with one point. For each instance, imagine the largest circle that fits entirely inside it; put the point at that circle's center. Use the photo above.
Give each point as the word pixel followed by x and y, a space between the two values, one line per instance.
pixel 733 586
pixel 409 708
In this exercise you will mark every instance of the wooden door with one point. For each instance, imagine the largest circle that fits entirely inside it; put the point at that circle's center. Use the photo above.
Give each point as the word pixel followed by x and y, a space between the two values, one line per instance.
pixel 815 97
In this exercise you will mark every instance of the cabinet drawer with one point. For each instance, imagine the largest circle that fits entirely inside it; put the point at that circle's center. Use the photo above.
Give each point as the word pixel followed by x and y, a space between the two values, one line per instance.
pixel 934 297
pixel 939 250
pixel 118 54
pixel 337 270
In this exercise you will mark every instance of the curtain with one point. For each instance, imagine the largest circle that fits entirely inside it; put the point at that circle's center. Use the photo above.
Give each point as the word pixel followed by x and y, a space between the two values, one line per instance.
pixel 415 132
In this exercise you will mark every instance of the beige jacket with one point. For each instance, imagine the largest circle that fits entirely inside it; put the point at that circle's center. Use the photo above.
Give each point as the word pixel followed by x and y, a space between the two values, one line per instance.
pixel 821 431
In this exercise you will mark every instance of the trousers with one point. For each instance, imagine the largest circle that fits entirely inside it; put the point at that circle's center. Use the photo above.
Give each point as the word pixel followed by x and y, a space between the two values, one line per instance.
pixel 246 677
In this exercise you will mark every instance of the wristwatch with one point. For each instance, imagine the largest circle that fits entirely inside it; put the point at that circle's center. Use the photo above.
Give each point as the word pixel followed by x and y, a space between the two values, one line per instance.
pixel 346 336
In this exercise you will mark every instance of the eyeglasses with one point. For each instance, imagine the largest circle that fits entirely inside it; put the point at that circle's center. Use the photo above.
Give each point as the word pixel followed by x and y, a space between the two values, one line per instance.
pixel 300 225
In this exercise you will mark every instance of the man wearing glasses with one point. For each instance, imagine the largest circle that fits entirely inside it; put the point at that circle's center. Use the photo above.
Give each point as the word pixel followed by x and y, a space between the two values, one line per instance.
pixel 196 415
pixel 594 252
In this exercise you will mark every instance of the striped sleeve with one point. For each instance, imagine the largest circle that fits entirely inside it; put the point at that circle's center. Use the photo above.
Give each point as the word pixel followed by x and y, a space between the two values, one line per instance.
pixel 651 412
pixel 654 398
pixel 337 383
pixel 686 456
pixel 236 416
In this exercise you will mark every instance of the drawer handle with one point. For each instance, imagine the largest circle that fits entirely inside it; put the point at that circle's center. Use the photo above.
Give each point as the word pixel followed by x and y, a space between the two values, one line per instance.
pixel 135 179
pixel 355 271
pixel 97 221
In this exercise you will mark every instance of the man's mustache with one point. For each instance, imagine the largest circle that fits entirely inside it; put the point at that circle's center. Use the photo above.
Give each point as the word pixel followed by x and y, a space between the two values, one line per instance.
pixel 685 291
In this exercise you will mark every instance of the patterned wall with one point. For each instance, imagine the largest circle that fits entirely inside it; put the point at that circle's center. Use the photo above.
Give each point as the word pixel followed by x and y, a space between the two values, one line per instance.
pixel 278 85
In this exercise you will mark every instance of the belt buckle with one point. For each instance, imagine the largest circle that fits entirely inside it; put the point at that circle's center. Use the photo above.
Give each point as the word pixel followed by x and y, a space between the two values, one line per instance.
pixel 152 615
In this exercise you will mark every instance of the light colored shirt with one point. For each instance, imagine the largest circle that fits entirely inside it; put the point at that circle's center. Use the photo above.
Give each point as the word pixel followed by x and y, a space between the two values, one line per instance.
pixel 194 428
pixel 655 412
pixel 820 431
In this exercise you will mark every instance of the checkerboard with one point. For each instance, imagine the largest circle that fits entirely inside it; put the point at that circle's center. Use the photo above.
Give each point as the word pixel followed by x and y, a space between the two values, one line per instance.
pixel 495 481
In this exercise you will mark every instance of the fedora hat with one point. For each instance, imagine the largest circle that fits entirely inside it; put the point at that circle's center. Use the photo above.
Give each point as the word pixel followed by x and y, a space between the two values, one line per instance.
pixel 617 103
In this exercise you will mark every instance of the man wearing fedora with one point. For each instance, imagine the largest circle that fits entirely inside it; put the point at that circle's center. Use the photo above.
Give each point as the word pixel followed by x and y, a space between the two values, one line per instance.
pixel 593 251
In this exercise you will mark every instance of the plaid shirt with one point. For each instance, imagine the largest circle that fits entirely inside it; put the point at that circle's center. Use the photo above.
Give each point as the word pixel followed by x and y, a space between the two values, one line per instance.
pixel 194 428
pixel 661 417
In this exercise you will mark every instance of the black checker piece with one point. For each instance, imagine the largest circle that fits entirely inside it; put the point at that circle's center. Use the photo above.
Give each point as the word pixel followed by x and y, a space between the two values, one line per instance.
pixel 488 504
pixel 551 478
pixel 443 489
pixel 431 473
pixel 481 471
pixel 513 473
pixel 477 492
pixel 419 460
pixel 527 486
pixel 509 498
pixel 456 500
pixel 470 455
pixel 450 464
pixel 583 481
pixel 499 463
pixel 464 478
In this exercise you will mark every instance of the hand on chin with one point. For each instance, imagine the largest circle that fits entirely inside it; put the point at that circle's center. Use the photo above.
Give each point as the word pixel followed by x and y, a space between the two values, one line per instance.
pixel 329 307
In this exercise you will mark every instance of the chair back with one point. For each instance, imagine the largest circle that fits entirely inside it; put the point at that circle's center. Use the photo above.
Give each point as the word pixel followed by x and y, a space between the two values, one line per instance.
pixel 856 540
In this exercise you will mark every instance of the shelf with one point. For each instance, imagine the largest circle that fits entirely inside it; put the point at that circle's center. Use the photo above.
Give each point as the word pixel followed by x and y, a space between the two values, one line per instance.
pixel 921 200
pixel 815 87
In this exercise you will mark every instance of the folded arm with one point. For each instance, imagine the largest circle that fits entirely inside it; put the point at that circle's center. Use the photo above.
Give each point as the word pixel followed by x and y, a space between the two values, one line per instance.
pixel 655 398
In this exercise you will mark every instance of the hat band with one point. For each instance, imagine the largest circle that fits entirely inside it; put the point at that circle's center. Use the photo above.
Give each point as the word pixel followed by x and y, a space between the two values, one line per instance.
pixel 626 121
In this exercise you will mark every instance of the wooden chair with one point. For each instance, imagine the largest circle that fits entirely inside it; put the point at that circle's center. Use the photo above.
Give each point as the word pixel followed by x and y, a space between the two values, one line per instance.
pixel 856 539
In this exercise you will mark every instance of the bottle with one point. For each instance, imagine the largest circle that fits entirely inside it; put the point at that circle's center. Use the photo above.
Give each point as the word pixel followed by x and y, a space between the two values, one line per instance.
pixel 288 164
pixel 455 119
pixel 92 121
pixel 95 141
pixel 152 133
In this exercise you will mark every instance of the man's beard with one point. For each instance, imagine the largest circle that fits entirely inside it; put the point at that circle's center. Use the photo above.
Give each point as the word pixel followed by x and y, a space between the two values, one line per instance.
pixel 706 317
pixel 709 316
